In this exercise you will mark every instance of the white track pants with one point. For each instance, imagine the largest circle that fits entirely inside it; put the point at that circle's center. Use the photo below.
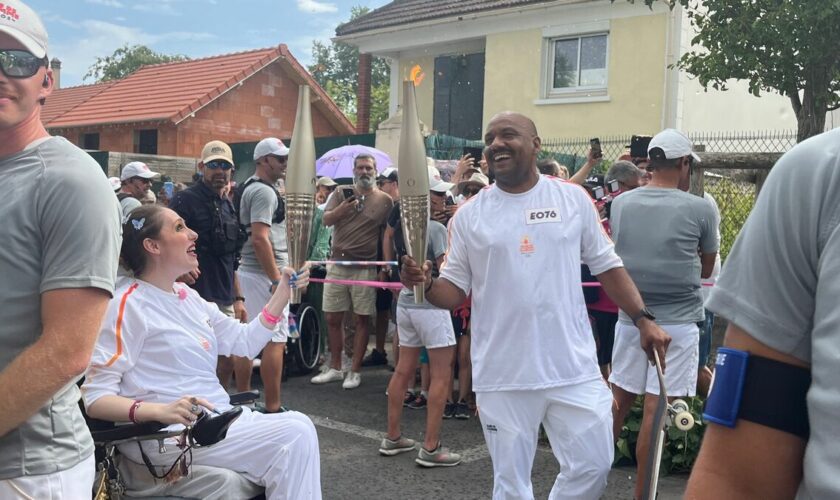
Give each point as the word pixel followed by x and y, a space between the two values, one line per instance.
pixel 75 482
pixel 578 421
pixel 278 451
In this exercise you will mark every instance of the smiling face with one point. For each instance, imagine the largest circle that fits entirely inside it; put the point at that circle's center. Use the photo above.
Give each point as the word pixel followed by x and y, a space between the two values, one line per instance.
pixel 174 246
pixel 513 145
pixel 19 97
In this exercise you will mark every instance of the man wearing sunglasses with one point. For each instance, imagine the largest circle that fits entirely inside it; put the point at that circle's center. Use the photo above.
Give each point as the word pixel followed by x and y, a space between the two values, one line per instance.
pixel 262 212
pixel 58 264
pixel 136 179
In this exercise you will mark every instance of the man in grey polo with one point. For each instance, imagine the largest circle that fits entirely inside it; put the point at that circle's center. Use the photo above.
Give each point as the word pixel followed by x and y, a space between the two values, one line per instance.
pixel 779 289
pixel 58 267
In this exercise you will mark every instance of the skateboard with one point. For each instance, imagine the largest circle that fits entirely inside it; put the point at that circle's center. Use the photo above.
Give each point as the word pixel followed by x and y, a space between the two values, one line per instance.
pixel 667 414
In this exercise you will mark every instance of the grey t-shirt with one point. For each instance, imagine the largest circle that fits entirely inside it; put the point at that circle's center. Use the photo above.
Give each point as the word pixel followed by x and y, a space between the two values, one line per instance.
pixel 657 232
pixel 60 229
pixel 780 284
pixel 258 205
pixel 129 203
pixel 435 247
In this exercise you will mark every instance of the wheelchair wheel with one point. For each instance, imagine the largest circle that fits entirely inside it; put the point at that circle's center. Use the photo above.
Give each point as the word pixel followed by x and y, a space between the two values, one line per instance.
pixel 307 348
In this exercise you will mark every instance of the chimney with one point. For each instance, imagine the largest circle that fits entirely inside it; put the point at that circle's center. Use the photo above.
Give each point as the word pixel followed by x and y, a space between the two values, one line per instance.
pixel 55 64
pixel 363 95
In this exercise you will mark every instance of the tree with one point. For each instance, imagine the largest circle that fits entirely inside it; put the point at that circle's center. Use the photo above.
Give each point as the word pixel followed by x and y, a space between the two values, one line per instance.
pixel 336 68
pixel 786 46
pixel 126 60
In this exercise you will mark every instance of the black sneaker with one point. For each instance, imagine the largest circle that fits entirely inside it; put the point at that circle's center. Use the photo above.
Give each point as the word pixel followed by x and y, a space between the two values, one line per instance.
pixel 409 398
pixel 419 402
pixel 462 410
pixel 375 358
pixel 449 410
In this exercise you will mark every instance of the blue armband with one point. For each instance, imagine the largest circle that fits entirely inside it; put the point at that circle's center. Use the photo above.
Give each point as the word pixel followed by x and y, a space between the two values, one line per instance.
pixel 727 387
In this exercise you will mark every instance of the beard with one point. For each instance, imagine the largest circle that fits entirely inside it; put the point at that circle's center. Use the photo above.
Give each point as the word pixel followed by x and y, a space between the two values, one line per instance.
pixel 363 181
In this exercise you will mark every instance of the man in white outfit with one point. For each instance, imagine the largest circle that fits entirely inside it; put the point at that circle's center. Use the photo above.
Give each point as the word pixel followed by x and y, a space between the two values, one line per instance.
pixel 518 246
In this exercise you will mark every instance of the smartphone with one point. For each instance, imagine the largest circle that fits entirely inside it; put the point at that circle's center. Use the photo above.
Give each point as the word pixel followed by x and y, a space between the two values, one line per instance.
pixel 449 200
pixel 595 144
pixel 639 146
pixel 169 189
pixel 475 153
pixel 348 192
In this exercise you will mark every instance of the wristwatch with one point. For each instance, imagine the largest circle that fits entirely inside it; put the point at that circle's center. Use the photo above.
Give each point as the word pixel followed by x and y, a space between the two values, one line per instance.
pixel 644 313
pixel 273 284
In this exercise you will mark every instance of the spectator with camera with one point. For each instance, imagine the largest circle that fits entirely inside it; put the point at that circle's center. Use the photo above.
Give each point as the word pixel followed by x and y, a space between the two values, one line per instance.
pixel 358 215
pixel 657 232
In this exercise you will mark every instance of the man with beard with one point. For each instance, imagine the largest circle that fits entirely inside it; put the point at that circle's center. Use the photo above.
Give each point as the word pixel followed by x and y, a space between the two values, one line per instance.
pixel 209 213
pixel 136 179
pixel 262 212
pixel 358 219
pixel 518 247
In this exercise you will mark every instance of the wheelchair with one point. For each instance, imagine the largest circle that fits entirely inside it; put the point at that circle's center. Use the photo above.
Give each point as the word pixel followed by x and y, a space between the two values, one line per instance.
pixel 117 477
pixel 304 351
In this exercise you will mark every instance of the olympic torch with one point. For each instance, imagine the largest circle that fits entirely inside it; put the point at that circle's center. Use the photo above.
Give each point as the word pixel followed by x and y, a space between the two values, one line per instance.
pixel 414 183
pixel 300 186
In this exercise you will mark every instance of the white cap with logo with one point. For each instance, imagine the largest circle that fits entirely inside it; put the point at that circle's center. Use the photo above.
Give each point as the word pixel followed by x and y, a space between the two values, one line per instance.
pixel 137 169
pixel 270 146
pixel 20 22
pixel 436 183
pixel 670 144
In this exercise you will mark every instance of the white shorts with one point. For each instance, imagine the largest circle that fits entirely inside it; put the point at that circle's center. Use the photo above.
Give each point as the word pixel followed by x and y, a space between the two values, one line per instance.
pixel 429 328
pixel 632 371
pixel 256 288
pixel 75 482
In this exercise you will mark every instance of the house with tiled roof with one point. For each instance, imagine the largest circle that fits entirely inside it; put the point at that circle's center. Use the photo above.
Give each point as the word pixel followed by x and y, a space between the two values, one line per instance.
pixel 579 68
pixel 175 108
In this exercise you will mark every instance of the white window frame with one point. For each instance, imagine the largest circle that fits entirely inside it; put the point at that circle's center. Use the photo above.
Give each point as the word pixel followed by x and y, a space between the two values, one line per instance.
pixel 551 95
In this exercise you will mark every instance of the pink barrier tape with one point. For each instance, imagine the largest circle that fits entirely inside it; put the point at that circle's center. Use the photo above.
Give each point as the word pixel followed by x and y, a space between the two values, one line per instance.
pixel 354 262
pixel 376 284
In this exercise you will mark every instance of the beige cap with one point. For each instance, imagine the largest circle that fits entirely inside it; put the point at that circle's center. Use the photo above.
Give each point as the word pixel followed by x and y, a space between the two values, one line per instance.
pixel 326 182
pixel 216 150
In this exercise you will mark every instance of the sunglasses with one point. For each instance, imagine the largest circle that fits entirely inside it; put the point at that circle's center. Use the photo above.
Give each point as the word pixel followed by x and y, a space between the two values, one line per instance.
pixel 470 191
pixel 224 165
pixel 20 63
pixel 281 159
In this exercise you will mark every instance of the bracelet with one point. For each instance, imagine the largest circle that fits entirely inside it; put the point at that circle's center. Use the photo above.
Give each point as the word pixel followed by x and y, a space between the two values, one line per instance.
pixel 273 284
pixel 239 298
pixel 133 410
pixel 270 318
pixel 431 283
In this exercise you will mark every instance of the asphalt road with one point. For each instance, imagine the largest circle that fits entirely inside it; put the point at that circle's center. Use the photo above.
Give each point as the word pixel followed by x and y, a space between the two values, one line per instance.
pixel 351 423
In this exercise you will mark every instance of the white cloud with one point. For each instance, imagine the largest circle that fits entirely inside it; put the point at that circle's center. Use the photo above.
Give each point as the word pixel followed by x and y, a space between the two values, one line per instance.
pixel 106 3
pixel 316 7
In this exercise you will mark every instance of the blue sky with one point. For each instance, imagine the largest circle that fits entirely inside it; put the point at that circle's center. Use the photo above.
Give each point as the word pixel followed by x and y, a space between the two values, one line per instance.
pixel 82 30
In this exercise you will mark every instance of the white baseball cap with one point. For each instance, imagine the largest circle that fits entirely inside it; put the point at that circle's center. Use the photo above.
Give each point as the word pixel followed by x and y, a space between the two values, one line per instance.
pixel 436 183
pixel 116 183
pixel 270 146
pixel 390 174
pixel 670 144
pixel 20 22
pixel 326 182
pixel 137 169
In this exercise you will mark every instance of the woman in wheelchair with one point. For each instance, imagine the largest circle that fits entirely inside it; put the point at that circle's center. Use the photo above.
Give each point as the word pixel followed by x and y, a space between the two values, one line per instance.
pixel 155 360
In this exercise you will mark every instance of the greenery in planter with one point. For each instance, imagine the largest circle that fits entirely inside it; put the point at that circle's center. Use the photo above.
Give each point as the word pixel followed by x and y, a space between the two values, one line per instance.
pixel 681 448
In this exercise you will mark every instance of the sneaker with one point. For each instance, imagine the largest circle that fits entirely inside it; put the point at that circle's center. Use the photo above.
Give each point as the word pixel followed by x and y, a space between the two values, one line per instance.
pixel 401 445
pixel 409 397
pixel 449 410
pixel 375 358
pixel 260 408
pixel 419 402
pixel 352 380
pixel 331 375
pixel 462 410
pixel 439 457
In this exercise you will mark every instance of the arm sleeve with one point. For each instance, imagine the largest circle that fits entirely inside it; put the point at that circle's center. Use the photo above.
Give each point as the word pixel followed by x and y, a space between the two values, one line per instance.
pixel 769 282
pixel 437 239
pixel 709 221
pixel 262 203
pixel 235 338
pixel 120 342
pixel 78 212
pixel 596 248
pixel 456 265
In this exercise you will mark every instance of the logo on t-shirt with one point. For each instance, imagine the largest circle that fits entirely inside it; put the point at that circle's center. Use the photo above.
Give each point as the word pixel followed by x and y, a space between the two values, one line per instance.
pixel 205 344
pixel 542 215
pixel 526 246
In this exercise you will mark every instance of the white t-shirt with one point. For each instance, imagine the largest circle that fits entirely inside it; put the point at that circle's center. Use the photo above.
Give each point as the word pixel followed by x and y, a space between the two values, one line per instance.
pixel 520 254
pixel 156 346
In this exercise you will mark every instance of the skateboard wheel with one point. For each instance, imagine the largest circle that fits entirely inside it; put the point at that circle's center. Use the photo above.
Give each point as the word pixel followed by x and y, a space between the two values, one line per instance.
pixel 679 405
pixel 684 421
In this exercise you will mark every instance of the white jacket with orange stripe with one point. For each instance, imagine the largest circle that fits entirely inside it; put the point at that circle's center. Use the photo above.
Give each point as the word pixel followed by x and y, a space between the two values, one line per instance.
pixel 158 347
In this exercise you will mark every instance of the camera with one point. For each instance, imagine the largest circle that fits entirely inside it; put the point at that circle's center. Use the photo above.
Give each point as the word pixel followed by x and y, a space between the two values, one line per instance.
pixel 601 192
pixel 639 146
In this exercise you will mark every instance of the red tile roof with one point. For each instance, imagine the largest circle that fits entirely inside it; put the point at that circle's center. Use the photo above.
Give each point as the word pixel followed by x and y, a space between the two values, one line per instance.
pixel 63 100
pixel 173 91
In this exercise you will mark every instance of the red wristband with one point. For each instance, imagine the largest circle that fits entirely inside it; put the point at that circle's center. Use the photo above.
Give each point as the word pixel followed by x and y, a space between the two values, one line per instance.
pixel 133 410
pixel 270 318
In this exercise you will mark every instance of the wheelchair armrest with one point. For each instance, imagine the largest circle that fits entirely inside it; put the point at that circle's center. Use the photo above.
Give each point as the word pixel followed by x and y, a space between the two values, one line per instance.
pixel 244 398
pixel 104 431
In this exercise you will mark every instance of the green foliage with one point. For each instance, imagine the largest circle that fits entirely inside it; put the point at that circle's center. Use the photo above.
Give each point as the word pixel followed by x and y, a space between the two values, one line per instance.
pixel 126 60
pixel 336 68
pixel 735 201
pixel 786 46
pixel 681 448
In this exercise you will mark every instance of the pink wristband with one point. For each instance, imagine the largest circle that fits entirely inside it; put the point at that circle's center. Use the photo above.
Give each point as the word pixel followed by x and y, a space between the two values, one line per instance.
pixel 270 318
pixel 133 410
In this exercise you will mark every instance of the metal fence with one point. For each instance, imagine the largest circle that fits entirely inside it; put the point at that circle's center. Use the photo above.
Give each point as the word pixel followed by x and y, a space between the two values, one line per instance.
pixel 733 190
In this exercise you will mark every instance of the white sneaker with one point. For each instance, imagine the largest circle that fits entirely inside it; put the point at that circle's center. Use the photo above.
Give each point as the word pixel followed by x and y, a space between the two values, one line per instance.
pixel 352 380
pixel 331 375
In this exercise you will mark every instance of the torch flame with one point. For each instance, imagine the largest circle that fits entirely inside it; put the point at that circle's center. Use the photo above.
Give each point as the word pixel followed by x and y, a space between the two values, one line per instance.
pixel 417 75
